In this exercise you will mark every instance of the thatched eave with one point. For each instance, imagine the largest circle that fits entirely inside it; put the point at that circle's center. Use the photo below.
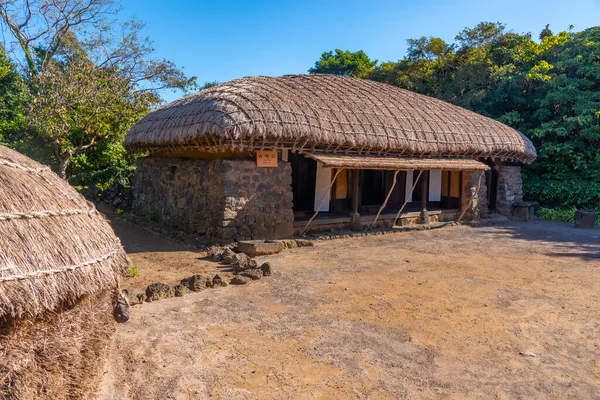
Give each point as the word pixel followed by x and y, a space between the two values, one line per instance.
pixel 326 112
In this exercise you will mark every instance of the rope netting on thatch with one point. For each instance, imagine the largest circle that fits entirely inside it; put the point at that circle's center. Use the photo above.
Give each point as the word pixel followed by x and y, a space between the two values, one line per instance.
pixel 54 246
pixel 325 113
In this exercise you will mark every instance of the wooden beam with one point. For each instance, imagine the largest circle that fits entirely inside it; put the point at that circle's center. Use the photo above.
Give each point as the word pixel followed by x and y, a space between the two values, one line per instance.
pixel 386 199
pixel 408 197
pixel 321 202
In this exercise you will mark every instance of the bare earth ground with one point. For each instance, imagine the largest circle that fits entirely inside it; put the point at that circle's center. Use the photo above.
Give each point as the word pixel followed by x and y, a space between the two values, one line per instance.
pixel 415 315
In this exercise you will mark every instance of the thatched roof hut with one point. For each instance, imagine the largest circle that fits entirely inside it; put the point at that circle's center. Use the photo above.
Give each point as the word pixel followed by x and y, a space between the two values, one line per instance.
pixel 59 266
pixel 352 148
pixel 326 113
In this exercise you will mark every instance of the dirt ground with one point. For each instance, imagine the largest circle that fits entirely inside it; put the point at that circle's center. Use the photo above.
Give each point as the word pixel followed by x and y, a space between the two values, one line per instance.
pixel 505 312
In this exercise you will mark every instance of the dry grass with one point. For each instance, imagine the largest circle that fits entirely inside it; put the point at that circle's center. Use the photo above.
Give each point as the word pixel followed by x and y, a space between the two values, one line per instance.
pixel 325 113
pixel 55 246
pixel 59 354
pixel 59 266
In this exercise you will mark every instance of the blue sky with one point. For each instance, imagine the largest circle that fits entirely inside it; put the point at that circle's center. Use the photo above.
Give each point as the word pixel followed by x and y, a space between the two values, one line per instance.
pixel 224 40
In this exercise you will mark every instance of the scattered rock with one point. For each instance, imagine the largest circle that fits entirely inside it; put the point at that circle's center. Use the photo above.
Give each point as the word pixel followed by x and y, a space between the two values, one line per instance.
pixel 526 353
pixel 289 243
pixel 304 243
pixel 134 299
pixel 214 253
pixel 218 281
pixel 180 290
pixel 228 255
pixel 240 280
pixel 157 291
pixel 255 248
pixel 196 283
pixel 121 311
pixel 266 269
pixel 254 274
pixel 242 262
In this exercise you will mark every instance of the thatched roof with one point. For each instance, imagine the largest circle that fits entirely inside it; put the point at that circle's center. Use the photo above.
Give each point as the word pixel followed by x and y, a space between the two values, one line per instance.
pixel 398 163
pixel 54 246
pixel 325 113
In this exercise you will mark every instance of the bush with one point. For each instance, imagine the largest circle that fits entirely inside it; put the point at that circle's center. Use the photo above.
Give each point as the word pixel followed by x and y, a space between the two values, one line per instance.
pixel 561 214
pixel 105 178
pixel 563 194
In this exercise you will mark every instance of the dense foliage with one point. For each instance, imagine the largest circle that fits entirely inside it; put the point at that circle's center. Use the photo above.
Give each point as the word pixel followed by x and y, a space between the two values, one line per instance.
pixel 81 82
pixel 564 214
pixel 548 88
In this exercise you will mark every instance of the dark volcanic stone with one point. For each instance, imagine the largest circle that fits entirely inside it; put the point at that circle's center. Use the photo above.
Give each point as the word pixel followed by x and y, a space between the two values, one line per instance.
pixel 266 269
pixel 121 311
pixel 157 291
pixel 242 262
pixel 253 274
pixel 196 283
pixel 240 280
pixel 585 219
pixel 228 255
pixel 180 290
pixel 218 281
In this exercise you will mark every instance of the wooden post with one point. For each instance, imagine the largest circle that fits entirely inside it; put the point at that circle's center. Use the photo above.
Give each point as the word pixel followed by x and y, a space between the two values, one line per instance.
pixel 386 199
pixel 321 202
pixel 355 190
pixel 471 201
pixel 408 197
pixel 424 192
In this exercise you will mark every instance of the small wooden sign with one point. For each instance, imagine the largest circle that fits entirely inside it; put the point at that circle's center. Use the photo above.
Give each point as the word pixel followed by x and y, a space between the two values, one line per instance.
pixel 266 159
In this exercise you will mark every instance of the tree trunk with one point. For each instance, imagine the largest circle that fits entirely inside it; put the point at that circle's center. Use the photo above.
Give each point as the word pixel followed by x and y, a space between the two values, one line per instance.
pixel 62 168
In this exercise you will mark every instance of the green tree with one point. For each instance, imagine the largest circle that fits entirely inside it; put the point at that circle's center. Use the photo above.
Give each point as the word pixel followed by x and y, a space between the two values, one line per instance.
pixel 353 64
pixel 549 90
pixel 89 77
pixel 14 96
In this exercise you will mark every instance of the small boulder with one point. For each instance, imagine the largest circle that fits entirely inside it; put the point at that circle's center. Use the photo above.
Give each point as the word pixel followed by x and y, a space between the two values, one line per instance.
pixel 585 219
pixel 240 280
pixel 214 253
pixel 266 269
pixel 136 298
pixel 242 262
pixel 157 291
pixel 180 290
pixel 196 283
pixel 228 255
pixel 140 297
pixel 254 274
pixel 304 243
pixel 121 311
pixel 218 281
pixel 255 248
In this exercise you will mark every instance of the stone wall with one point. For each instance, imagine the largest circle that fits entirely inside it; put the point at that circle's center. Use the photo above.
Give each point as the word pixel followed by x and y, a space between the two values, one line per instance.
pixel 475 209
pixel 225 200
pixel 510 189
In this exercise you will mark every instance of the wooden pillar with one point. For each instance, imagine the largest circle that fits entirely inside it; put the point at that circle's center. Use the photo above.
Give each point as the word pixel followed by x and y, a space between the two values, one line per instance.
pixel 355 190
pixel 424 191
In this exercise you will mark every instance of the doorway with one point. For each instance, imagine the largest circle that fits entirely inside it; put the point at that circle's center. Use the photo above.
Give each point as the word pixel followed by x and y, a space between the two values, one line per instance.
pixel 304 178
pixel 491 181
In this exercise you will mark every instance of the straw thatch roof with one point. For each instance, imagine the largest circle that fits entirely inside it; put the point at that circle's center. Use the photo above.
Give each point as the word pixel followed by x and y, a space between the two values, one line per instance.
pixel 398 163
pixel 325 113
pixel 54 246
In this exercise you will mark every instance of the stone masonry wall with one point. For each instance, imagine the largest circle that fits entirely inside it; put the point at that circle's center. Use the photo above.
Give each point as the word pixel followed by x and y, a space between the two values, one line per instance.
pixel 510 189
pixel 471 180
pixel 225 200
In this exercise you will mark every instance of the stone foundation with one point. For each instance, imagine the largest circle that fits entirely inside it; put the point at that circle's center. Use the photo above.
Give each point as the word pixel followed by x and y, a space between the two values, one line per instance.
pixel 510 189
pixel 471 182
pixel 225 200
